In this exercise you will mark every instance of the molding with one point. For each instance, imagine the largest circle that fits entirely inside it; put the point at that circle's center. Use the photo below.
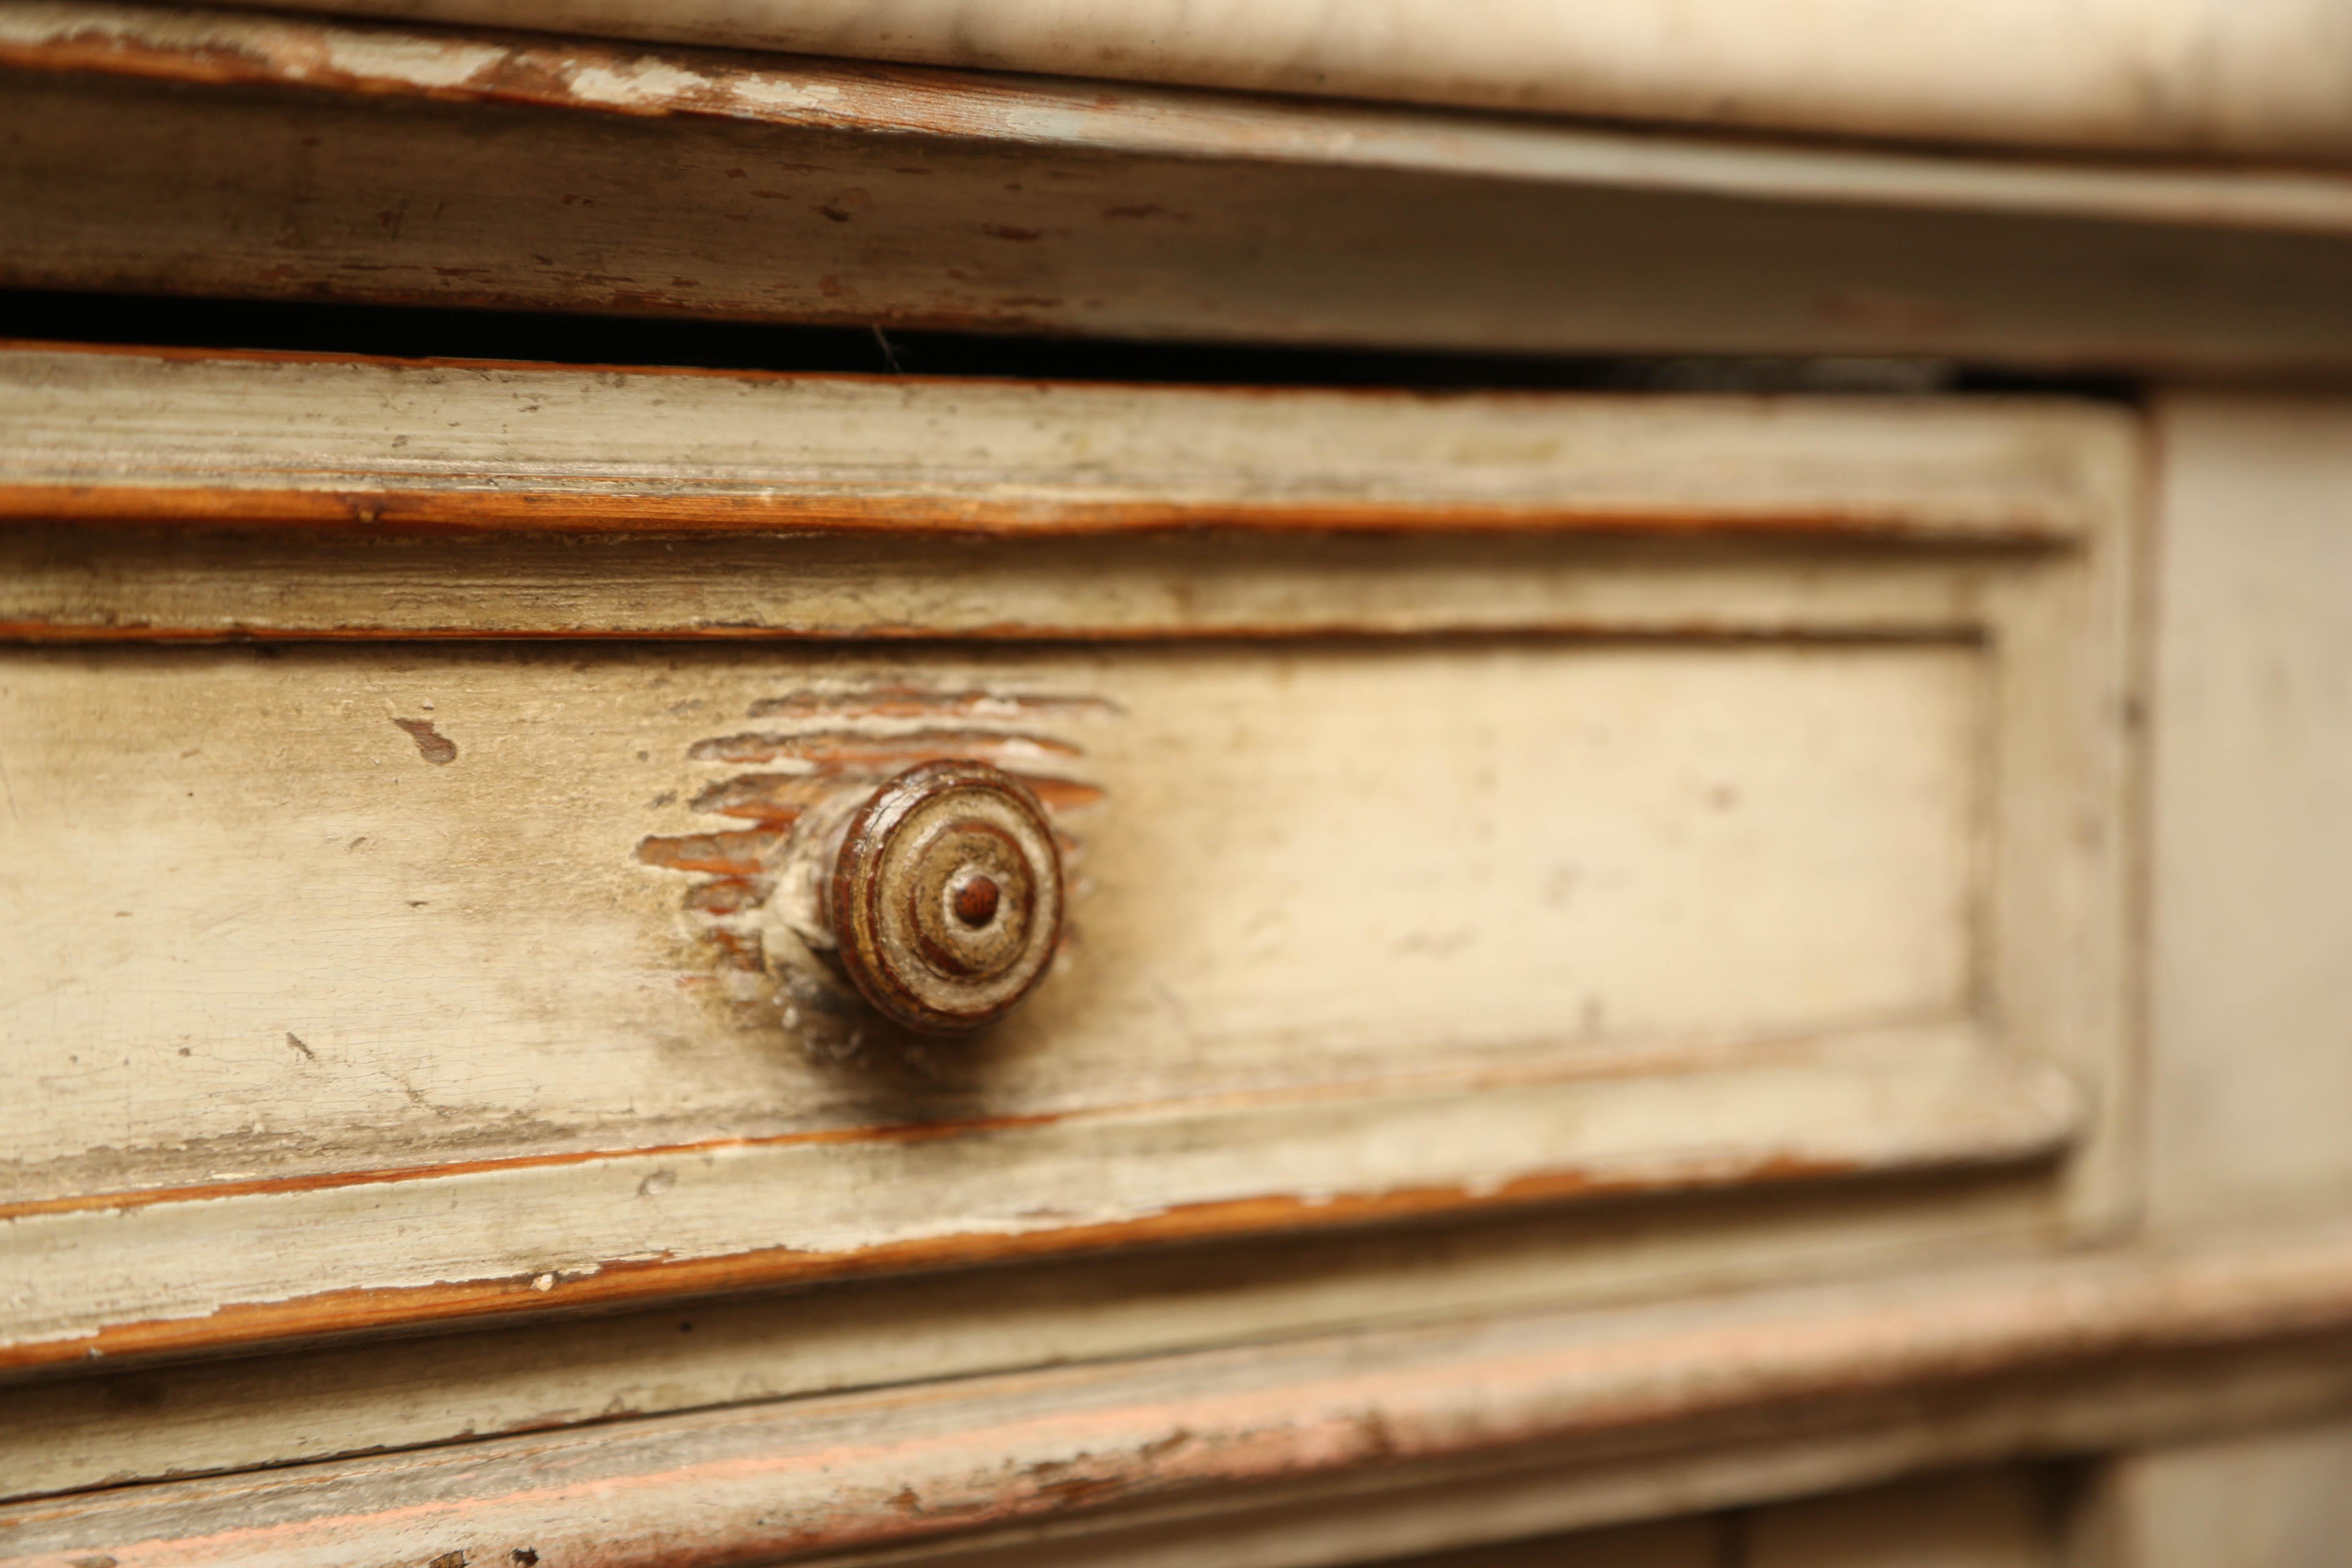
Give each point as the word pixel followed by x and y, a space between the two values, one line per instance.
pixel 1713 1403
pixel 162 152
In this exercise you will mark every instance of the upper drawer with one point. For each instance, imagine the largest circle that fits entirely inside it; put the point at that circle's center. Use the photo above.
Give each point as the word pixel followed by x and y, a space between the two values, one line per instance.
pixel 1700 792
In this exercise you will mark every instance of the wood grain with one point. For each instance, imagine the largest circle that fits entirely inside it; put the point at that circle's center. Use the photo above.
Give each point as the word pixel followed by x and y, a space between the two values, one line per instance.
pixel 387 445
pixel 585 894
pixel 2257 80
pixel 1362 929
pixel 2038 1359
pixel 163 151
pixel 107 1424
pixel 1258 1023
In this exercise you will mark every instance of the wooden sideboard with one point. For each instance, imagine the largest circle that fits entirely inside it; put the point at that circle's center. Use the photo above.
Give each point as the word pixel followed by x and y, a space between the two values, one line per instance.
pixel 1666 821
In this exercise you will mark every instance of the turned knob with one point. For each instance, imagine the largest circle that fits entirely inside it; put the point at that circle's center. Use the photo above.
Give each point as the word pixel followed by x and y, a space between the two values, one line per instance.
pixel 946 899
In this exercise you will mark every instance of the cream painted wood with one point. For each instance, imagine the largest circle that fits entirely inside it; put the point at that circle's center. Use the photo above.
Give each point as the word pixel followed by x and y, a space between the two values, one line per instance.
pixel 468 960
pixel 151 434
pixel 2252 913
pixel 1308 867
pixel 855 465
pixel 493 939
pixel 110 1427
pixel 161 150
pixel 2274 1499
pixel 2265 78
pixel 1333 1450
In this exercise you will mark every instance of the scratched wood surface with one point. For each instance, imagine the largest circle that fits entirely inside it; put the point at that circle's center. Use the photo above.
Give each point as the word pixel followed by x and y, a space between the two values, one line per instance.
pixel 477 916
pixel 1293 867
pixel 216 154
pixel 356 497
pixel 368 948
pixel 149 435
pixel 1328 1451
pixel 109 1424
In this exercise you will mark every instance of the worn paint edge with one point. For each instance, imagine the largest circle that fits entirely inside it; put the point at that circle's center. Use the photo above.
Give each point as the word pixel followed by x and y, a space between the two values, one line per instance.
pixel 1067 1444
pixel 1004 109
pixel 1999 1112
pixel 615 507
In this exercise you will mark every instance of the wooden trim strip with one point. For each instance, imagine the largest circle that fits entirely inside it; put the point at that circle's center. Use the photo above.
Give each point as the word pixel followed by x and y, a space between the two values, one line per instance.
pixel 230 48
pixel 428 171
pixel 89 582
pixel 384 446
pixel 629 509
pixel 205 1271
pixel 898 1468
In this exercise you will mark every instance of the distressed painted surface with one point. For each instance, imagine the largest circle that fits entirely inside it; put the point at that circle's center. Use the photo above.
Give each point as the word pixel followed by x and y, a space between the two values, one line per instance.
pixel 536 176
pixel 339 914
pixel 581 73
pixel 1770 1377
pixel 2253 903
pixel 235 1267
pixel 1359 930
pixel 116 1422
pixel 148 435
pixel 2259 79
pixel 1290 868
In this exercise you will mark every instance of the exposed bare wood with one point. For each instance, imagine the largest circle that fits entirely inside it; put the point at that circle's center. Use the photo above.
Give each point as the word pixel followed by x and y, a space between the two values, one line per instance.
pixel 490 171
pixel 1231 934
pixel 2032 1359
pixel 222 1265
pixel 1244 1017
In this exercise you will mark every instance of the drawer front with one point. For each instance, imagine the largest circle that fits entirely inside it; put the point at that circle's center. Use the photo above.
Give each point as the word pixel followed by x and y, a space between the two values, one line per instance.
pixel 461 905
pixel 351 984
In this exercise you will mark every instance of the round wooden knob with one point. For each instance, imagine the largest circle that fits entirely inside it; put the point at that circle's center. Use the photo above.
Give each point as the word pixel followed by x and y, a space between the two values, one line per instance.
pixel 947 896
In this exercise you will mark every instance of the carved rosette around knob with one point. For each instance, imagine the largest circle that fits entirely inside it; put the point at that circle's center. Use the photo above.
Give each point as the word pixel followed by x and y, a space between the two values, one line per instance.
pixel 946 898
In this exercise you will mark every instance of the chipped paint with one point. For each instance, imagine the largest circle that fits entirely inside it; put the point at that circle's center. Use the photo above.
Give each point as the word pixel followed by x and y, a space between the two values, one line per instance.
pixel 1043 113
pixel 468 1241
pixel 2053 1357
